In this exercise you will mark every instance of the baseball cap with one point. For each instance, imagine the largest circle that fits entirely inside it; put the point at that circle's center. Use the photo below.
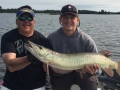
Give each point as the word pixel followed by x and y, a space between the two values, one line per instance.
pixel 25 10
pixel 69 9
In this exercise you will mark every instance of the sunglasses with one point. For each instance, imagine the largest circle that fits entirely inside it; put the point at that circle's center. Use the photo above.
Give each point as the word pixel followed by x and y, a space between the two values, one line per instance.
pixel 23 18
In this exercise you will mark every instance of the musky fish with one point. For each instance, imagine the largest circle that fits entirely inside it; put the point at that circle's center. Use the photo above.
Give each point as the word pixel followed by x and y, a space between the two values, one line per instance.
pixel 72 61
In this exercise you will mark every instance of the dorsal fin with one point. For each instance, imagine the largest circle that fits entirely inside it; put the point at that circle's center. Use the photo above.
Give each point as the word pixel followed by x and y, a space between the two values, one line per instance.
pixel 106 53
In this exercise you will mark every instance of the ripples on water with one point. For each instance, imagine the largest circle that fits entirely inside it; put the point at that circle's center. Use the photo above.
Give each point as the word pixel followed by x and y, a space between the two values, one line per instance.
pixel 104 29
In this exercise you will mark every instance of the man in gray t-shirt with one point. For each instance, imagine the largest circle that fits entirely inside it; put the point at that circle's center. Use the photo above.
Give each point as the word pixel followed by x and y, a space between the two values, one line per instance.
pixel 70 39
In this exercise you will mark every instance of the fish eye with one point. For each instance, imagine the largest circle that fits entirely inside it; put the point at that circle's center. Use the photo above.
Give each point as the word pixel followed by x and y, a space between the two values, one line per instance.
pixel 40 47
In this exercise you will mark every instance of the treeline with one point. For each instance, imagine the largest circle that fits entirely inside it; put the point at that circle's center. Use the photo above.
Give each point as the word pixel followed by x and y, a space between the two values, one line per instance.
pixel 58 11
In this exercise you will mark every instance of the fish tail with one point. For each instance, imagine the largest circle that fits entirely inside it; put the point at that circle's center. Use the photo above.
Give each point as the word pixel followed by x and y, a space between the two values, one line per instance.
pixel 118 69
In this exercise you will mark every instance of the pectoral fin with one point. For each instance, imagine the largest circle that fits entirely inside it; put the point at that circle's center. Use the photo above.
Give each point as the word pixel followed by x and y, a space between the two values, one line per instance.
pixel 109 71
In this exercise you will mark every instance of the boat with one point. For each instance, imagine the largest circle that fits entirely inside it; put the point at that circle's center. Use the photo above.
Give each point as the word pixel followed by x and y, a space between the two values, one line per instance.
pixel 105 82
pixel 109 83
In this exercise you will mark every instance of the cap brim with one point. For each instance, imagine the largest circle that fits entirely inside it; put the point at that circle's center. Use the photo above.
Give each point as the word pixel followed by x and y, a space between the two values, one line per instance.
pixel 69 13
pixel 19 13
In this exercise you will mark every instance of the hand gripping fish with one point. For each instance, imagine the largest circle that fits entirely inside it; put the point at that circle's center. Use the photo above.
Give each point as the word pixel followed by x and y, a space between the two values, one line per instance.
pixel 72 61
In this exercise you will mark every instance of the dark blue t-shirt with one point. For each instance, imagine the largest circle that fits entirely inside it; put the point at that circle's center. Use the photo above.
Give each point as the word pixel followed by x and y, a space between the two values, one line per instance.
pixel 31 77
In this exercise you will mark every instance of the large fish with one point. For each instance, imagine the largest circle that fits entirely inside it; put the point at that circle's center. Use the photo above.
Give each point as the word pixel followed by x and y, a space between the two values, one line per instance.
pixel 72 61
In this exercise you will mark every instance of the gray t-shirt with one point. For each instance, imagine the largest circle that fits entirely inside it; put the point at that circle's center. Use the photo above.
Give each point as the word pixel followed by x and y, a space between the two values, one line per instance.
pixel 78 42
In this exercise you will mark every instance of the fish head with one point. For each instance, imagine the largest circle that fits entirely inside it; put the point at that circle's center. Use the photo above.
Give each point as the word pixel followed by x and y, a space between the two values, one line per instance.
pixel 37 50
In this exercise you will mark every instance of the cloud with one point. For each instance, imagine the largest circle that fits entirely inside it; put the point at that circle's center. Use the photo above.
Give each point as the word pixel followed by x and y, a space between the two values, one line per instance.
pixel 108 5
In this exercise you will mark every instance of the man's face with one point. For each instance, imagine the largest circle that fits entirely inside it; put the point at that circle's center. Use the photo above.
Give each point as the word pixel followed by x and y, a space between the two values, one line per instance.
pixel 25 23
pixel 69 22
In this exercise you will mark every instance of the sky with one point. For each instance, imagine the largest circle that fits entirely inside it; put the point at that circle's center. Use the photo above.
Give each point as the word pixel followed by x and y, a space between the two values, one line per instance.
pixel 94 5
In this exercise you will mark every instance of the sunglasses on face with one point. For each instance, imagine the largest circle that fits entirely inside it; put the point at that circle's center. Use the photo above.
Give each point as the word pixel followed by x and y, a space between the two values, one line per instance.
pixel 23 18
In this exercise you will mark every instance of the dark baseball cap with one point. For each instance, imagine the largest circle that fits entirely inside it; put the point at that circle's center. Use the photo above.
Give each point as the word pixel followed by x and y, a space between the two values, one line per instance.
pixel 25 9
pixel 69 9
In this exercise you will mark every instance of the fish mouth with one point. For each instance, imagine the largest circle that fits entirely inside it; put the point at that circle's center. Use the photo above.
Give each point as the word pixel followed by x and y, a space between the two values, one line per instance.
pixel 29 46
pixel 32 47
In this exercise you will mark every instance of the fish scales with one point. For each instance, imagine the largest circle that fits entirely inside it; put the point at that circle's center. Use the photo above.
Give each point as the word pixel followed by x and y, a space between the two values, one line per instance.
pixel 70 61
pixel 77 61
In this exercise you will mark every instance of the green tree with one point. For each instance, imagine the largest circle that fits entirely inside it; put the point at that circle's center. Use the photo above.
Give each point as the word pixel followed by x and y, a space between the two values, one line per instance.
pixel 0 7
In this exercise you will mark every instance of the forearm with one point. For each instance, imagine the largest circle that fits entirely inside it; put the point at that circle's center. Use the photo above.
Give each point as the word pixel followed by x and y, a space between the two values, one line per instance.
pixel 13 63
pixel 17 64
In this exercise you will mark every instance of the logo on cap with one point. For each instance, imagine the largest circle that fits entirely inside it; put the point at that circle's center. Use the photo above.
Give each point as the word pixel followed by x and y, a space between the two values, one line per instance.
pixel 69 8
pixel 26 10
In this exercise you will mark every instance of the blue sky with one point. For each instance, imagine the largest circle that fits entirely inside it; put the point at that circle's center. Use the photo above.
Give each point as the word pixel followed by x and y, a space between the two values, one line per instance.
pixel 96 5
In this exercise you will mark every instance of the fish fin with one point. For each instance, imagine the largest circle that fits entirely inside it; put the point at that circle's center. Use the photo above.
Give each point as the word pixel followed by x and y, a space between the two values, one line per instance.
pixel 118 70
pixel 106 53
pixel 109 71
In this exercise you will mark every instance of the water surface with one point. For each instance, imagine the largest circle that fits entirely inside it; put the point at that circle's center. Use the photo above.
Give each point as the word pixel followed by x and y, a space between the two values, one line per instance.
pixel 104 29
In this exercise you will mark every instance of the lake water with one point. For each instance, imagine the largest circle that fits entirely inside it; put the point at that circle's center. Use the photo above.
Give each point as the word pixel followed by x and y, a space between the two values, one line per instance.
pixel 104 29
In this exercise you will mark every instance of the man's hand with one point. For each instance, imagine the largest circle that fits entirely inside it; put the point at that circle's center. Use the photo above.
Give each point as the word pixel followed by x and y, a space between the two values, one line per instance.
pixel 30 57
pixel 89 69
pixel 92 69
pixel 106 53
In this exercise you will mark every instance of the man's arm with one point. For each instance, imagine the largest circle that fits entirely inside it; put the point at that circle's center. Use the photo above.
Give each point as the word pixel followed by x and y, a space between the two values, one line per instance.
pixel 13 63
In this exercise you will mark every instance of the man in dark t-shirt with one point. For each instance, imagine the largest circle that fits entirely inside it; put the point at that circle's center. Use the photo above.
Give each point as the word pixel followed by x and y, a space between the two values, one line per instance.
pixel 22 73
